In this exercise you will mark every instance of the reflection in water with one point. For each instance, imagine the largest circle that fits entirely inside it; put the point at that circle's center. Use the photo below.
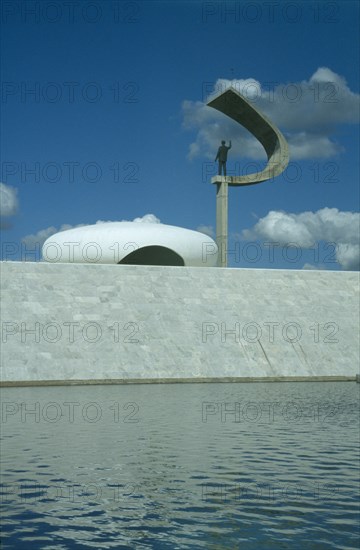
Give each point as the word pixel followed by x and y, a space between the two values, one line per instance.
pixel 181 466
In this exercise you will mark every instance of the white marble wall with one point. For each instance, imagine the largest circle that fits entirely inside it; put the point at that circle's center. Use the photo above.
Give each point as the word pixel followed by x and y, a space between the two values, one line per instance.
pixel 110 322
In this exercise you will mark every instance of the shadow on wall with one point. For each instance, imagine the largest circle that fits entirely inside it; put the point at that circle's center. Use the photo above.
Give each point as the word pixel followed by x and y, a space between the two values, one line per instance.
pixel 153 255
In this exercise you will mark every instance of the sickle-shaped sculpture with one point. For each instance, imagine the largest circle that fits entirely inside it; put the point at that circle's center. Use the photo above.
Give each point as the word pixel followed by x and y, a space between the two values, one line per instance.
pixel 234 105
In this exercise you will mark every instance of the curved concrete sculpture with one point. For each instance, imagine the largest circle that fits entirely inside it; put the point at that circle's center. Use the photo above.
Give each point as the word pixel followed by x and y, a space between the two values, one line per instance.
pixel 131 243
pixel 235 106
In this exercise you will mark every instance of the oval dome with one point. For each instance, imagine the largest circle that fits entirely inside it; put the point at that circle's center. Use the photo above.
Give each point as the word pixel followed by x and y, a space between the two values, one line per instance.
pixel 131 243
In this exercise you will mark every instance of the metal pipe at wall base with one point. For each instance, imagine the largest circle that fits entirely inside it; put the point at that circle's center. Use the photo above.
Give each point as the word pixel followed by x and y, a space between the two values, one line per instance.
pixel 192 380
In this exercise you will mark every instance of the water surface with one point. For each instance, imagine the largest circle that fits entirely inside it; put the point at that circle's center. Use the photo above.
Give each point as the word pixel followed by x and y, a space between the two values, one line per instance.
pixel 215 466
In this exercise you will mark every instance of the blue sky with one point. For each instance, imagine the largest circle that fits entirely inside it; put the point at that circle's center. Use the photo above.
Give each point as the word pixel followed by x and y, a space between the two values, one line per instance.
pixel 103 118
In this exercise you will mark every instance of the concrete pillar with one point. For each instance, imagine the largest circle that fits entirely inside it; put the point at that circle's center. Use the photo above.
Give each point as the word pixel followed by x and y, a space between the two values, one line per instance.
pixel 222 221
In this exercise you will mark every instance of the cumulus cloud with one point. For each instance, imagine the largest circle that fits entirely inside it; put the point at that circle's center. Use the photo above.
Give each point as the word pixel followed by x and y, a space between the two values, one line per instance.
pixel 38 239
pixel 307 112
pixel 307 228
pixel 302 145
pixel 312 267
pixel 348 256
pixel 8 204
pixel 207 230
pixel 147 218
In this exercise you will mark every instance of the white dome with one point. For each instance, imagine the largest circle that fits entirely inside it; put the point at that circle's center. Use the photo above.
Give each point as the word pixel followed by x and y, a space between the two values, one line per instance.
pixel 131 243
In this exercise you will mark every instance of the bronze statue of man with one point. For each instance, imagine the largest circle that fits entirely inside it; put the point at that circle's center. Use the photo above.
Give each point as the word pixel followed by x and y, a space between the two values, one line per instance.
pixel 222 157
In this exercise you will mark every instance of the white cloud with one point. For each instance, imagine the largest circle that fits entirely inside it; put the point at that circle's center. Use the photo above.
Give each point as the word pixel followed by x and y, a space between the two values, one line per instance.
pixel 303 144
pixel 307 112
pixel 348 256
pixel 147 218
pixel 312 267
pixel 206 229
pixel 212 127
pixel 323 74
pixel 307 228
pixel 8 200
pixel 40 237
pixel 248 87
